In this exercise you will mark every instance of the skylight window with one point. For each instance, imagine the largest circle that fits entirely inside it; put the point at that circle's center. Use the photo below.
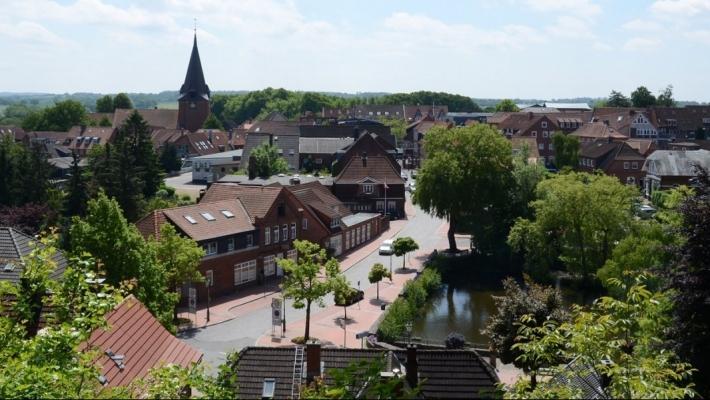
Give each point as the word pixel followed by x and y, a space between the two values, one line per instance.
pixel 190 219
pixel 269 388
pixel 227 214
pixel 9 267
pixel 208 216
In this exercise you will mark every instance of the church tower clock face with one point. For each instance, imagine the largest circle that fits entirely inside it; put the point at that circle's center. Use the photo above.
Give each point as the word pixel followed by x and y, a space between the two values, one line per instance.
pixel 192 104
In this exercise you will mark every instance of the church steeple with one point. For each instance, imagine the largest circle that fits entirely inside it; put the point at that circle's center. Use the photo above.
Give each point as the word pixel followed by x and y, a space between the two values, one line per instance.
pixel 194 86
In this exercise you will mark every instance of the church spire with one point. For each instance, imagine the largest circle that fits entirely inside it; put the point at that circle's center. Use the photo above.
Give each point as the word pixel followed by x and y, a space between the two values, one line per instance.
pixel 194 85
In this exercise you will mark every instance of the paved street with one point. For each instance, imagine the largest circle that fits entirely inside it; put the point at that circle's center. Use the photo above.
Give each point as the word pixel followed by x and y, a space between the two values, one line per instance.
pixel 253 320
pixel 183 185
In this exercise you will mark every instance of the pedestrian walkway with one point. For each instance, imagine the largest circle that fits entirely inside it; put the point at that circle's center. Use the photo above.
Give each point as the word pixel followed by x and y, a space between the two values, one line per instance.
pixel 254 297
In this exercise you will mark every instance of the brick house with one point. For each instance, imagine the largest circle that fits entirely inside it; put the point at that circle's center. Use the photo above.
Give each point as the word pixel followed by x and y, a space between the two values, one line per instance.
pixel 615 158
pixel 665 169
pixel 540 127
pixel 597 131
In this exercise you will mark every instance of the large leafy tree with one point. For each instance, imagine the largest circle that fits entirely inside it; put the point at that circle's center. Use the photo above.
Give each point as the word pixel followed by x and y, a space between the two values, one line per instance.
pixel 59 117
pixel 690 281
pixel 526 176
pixel 566 150
pixel 104 104
pixel 402 246
pixel 308 279
pixel 642 97
pixel 617 99
pixel 169 159
pixel 616 339
pixel 539 302
pixel 507 105
pixel 666 97
pixel 212 123
pixel 467 178
pixel 377 273
pixel 577 219
pixel 265 161
pixel 122 100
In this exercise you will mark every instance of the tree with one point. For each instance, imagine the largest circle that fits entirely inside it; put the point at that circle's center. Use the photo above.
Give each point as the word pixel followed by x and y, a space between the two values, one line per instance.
pixel 616 99
pixel 578 218
pixel 397 125
pixel 25 173
pixel 539 302
pixel 665 99
pixel 265 161
pixel 75 202
pixel 642 97
pixel 478 159
pixel 169 159
pixel 303 281
pixel 617 339
pixel 104 104
pixel 59 117
pixel 689 280
pixel 404 245
pixel 507 105
pixel 179 256
pixel 212 123
pixel 566 150
pixel 377 273
pixel 526 176
pixel 122 100
pixel 105 122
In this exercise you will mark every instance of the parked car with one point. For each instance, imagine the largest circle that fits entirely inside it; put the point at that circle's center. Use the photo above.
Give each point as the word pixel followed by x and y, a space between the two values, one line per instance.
pixel 645 211
pixel 387 247
pixel 412 186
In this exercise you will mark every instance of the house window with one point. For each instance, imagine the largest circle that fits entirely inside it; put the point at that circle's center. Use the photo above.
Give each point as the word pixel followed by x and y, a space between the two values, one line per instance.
pixel 292 255
pixel 209 277
pixel 276 234
pixel 347 239
pixel 357 236
pixel 210 248
pixel 380 205
pixel 230 244
pixel 335 222
pixel 267 236
pixel 250 240
pixel 551 146
pixel 244 272
pixel 284 232
pixel 269 265
pixel 544 134
pixel 293 231
pixel 544 124
pixel 534 134
pixel 367 235
pixel 367 188
pixel 626 165
pixel 634 165
pixel 304 224
pixel 541 146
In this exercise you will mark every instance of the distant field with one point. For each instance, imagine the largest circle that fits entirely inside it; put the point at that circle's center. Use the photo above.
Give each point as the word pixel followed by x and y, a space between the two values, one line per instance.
pixel 2 108
pixel 169 105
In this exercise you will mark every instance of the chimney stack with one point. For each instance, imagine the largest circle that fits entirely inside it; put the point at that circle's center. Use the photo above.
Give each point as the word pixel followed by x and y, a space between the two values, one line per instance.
pixel 312 360
pixel 412 366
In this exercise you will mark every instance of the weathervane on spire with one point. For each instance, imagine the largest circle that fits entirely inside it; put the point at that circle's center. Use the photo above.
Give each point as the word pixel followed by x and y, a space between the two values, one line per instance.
pixel 195 22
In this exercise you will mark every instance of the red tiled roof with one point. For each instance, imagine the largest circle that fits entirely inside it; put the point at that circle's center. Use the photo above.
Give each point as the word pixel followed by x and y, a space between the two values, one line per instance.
pixel 151 223
pixel 157 118
pixel 379 168
pixel 320 199
pixel 135 334
pixel 598 130
pixel 257 200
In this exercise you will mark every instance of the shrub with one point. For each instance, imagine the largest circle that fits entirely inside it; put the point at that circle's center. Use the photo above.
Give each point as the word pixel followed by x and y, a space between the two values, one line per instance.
pixel 415 294
pixel 455 340
pixel 393 325
pixel 430 279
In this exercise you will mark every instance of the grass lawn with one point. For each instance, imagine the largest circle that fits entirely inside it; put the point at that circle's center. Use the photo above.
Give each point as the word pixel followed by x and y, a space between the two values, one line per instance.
pixel 168 105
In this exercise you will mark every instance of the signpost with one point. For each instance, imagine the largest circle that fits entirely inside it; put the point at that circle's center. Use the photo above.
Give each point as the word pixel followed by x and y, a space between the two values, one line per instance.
pixel 276 314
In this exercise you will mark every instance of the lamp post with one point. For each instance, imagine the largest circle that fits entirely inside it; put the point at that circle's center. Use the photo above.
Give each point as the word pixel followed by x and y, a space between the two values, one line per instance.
pixel 409 325
pixel 208 282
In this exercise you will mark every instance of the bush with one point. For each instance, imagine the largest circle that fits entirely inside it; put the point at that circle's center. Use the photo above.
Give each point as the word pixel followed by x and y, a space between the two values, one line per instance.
pixel 455 340
pixel 430 279
pixel 415 294
pixel 393 325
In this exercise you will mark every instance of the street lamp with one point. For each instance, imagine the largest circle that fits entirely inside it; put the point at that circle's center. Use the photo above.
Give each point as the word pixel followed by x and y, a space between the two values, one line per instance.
pixel 409 325
pixel 208 283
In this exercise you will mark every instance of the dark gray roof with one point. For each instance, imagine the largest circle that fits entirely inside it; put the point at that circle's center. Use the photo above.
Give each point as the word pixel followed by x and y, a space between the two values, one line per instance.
pixel 581 376
pixel 194 85
pixel 14 245
pixel 282 179
pixel 355 219
pixel 322 145
pixel 677 162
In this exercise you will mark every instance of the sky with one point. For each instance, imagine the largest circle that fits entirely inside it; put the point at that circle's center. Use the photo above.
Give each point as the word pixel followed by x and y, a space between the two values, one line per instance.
pixel 542 49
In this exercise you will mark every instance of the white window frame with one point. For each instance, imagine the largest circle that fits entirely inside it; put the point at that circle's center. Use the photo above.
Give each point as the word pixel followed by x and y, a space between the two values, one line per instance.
pixel 347 240
pixel 541 146
pixel 267 236
pixel 304 224
pixel 244 272
pixel 250 240
pixel 210 248
pixel 367 236
pixel 544 124
pixel 367 188
pixel 276 233
pixel 534 133
pixel 292 255
pixel 626 165
pixel 293 231
pixel 269 265
pixel 635 165
pixel 544 134
pixel 230 244
pixel 284 232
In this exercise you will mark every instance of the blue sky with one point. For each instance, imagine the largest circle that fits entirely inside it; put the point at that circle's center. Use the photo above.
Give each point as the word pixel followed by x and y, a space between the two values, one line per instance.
pixel 486 48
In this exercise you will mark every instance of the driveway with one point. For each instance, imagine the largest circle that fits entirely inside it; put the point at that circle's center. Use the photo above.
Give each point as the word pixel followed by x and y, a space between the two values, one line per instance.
pixel 183 185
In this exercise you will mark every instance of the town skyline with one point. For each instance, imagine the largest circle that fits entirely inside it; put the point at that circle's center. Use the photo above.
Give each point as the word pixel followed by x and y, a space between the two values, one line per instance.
pixel 544 49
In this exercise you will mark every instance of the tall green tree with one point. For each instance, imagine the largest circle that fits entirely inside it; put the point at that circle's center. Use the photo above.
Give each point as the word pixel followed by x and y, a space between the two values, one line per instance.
pixel 398 127
pixel 617 99
pixel 25 173
pixel 212 123
pixel 169 159
pixel 478 159
pixel 265 161
pixel 308 279
pixel 104 104
pixel 577 219
pixel 507 105
pixel 59 117
pixel 566 150
pixel 122 100
pixel 78 195
pixel 665 99
pixel 377 273
pixel 526 176
pixel 642 97
pixel 404 245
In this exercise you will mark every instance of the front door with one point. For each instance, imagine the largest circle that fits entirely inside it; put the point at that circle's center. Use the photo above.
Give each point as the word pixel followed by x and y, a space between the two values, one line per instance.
pixel 336 243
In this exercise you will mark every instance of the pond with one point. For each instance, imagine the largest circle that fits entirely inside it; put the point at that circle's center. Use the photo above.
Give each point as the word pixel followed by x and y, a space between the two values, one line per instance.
pixel 462 306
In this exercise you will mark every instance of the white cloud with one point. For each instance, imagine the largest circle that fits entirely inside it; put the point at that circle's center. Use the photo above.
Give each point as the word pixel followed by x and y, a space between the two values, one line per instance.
pixel 31 32
pixel 582 8
pixel 702 36
pixel 641 44
pixel 681 7
pixel 571 27
pixel 642 25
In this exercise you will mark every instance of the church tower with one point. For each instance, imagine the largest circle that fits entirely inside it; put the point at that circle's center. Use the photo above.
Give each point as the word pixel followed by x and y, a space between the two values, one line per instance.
pixel 194 100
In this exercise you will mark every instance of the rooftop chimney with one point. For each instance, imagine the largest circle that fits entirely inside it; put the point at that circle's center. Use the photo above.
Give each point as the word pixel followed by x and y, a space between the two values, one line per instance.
pixel 312 360
pixel 412 366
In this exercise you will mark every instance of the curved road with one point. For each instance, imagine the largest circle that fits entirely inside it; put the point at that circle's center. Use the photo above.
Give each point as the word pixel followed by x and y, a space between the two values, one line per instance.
pixel 217 340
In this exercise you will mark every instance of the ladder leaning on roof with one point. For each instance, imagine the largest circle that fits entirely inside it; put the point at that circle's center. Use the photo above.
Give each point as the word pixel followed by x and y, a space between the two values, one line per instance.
pixel 297 373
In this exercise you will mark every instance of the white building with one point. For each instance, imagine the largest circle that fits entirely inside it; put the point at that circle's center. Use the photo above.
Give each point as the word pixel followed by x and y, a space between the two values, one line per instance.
pixel 210 168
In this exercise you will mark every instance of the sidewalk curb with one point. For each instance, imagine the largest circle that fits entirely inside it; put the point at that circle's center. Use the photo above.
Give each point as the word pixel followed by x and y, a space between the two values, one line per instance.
pixel 368 254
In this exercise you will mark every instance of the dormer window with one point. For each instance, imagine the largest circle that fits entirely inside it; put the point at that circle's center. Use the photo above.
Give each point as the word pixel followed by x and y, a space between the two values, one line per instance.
pixel 544 124
pixel 367 188
pixel 335 222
